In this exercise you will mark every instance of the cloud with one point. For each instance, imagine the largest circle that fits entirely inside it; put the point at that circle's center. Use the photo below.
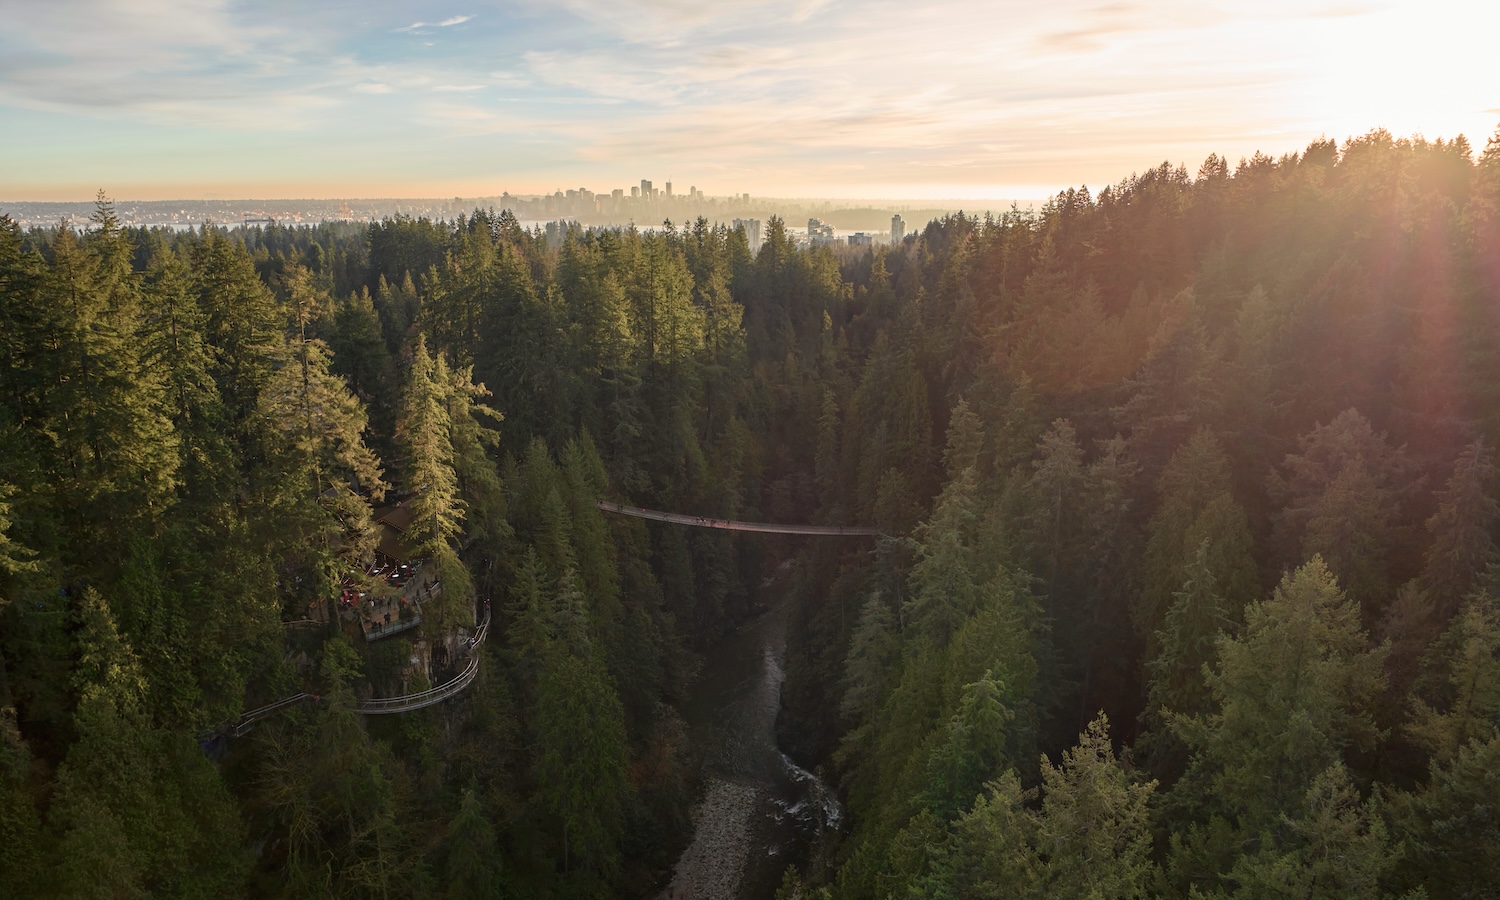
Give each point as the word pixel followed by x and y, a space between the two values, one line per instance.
pixel 761 91
pixel 414 28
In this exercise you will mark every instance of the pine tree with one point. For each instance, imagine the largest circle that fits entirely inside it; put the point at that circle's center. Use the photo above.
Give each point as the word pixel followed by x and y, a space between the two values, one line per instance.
pixel 140 809
pixel 580 768
pixel 243 325
pixel 1293 692
pixel 1461 547
pixel 176 349
pixel 1090 838
pixel 1188 640
pixel 970 749
pixel 1341 495
pixel 114 452
pixel 945 586
pixel 1197 515
pixel 473 868
pixel 1093 836
pixel 1451 825
pixel 1338 847
pixel 14 558
pixel 323 470
pixel 425 433
pixel 1468 697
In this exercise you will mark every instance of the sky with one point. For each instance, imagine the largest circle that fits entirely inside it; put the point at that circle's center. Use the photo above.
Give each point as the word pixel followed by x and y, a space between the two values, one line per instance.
pixel 166 99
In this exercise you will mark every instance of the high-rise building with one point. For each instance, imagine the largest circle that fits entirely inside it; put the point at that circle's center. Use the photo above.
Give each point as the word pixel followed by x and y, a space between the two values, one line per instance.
pixel 752 232
pixel 669 189
pixel 635 192
pixel 898 229
pixel 820 233
pixel 646 192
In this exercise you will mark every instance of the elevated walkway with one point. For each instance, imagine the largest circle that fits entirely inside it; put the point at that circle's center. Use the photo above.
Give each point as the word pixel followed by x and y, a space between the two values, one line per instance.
pixel 381 705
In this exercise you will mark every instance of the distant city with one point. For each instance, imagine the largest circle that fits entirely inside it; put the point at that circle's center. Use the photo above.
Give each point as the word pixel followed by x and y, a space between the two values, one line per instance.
pixel 829 222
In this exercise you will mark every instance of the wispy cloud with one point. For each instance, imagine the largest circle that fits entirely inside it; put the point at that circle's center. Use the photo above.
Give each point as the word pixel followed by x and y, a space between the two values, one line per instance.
pixel 416 27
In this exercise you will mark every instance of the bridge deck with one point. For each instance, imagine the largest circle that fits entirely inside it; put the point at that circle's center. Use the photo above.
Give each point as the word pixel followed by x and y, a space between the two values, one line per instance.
pixel 733 525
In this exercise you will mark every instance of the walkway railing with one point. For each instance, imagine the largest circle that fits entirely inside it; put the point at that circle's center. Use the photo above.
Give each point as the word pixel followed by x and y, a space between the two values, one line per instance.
pixel 733 525
pixel 383 705
pixel 409 702
pixel 248 719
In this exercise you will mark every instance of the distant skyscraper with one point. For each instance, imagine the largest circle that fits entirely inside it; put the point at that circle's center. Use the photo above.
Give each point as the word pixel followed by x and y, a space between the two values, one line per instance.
pixel 646 191
pixel 752 232
pixel 669 189
pixel 820 233
pixel 898 229
pixel 635 192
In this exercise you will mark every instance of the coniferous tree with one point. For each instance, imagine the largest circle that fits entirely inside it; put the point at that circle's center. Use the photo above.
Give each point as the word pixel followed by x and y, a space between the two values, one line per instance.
pixel 1293 692
pixel 425 433
pixel 1467 696
pixel 1462 546
pixel 473 867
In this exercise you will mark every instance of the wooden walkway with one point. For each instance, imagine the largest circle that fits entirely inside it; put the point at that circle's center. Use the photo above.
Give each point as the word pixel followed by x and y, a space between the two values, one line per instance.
pixel 733 525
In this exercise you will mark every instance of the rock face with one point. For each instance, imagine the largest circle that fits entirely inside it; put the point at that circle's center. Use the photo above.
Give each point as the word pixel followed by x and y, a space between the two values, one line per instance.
pixel 713 865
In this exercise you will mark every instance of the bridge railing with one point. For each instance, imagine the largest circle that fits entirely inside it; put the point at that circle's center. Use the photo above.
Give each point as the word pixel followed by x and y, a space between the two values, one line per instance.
pixel 736 525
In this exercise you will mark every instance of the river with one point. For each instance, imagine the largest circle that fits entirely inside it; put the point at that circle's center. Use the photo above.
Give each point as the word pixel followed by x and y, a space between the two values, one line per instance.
pixel 760 811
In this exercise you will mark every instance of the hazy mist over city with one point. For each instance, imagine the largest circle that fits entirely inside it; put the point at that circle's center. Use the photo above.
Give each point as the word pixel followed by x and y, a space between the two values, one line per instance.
pixel 960 99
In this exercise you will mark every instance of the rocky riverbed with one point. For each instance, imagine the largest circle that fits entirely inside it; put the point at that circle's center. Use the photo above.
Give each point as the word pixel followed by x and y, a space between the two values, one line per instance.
pixel 760 812
pixel 714 863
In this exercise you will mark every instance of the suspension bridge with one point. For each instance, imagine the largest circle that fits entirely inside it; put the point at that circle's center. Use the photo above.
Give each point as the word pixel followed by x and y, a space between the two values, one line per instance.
pixel 734 525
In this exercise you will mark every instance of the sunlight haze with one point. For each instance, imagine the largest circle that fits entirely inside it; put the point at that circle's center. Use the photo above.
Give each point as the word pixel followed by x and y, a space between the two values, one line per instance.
pixel 222 98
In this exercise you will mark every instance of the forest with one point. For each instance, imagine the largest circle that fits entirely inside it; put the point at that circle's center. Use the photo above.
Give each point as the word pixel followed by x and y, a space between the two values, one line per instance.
pixel 1187 584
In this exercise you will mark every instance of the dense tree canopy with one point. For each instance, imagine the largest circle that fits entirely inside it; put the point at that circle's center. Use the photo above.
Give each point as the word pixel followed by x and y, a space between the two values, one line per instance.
pixel 1188 583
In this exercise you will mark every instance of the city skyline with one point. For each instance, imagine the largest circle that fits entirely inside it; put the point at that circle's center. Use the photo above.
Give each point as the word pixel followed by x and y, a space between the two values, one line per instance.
pixel 225 98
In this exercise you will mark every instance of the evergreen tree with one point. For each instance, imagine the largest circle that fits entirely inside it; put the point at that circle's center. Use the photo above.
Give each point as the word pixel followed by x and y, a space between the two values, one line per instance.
pixel 1293 692
pixel 425 433
pixel 1338 848
pixel 1468 698
pixel 473 868
pixel 1188 640
pixel 580 768
pixel 323 469
pixel 1342 493
pixel 1462 547
pixel 1197 517
pixel 1451 826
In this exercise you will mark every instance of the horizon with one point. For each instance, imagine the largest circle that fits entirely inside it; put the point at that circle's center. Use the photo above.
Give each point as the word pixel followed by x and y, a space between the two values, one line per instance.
pixel 226 100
